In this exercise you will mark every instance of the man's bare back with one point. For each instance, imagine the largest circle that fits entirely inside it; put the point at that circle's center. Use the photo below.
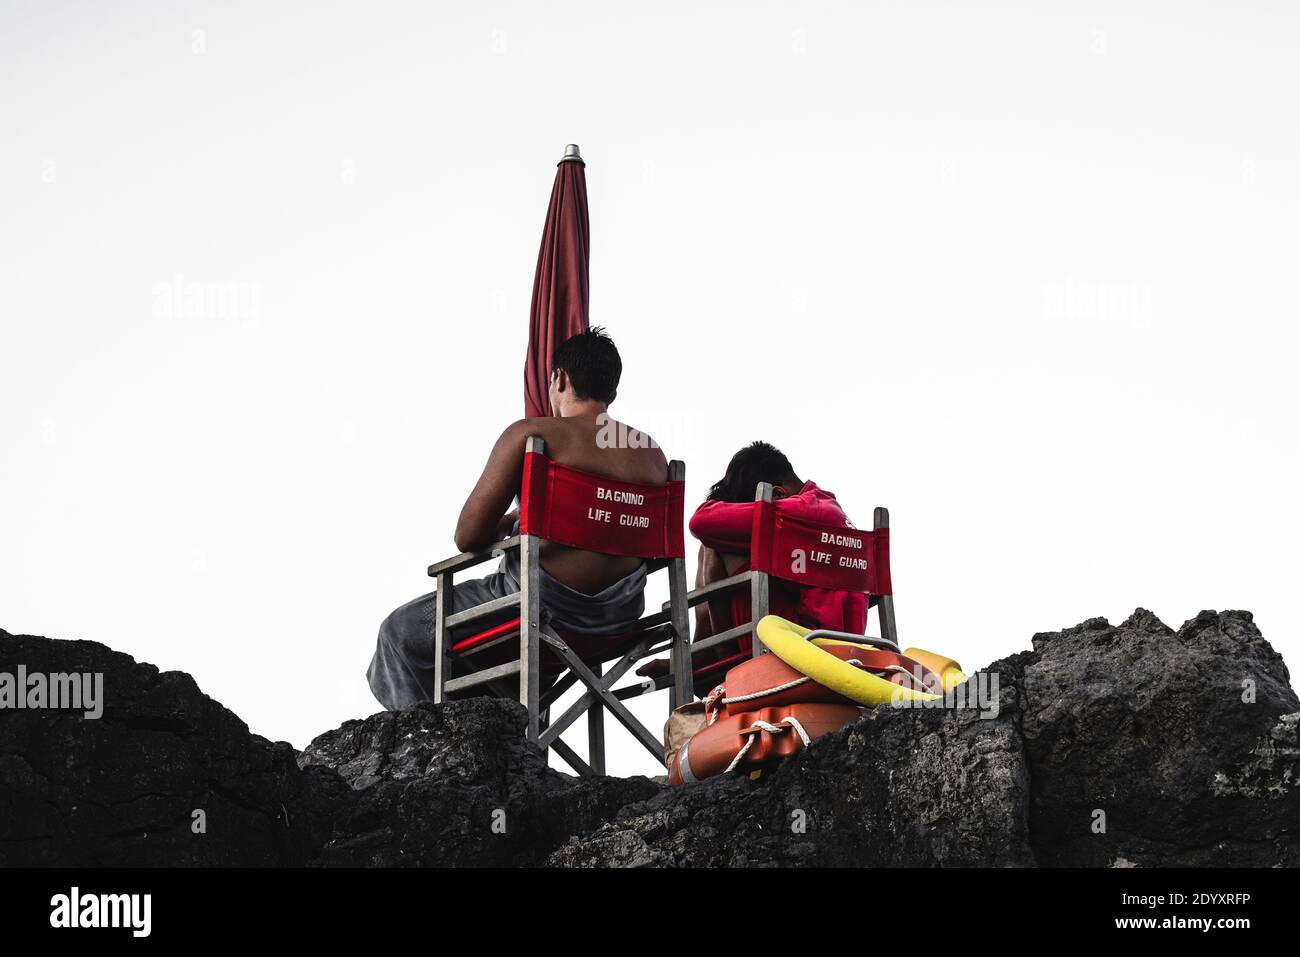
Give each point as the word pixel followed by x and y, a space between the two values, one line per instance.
pixel 579 442
pixel 593 443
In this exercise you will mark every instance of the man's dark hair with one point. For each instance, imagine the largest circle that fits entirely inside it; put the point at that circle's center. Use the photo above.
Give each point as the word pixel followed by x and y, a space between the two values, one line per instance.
pixel 756 462
pixel 591 361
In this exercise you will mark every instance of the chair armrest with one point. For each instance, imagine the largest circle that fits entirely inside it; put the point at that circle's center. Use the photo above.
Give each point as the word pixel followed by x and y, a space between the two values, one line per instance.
pixel 714 589
pixel 470 559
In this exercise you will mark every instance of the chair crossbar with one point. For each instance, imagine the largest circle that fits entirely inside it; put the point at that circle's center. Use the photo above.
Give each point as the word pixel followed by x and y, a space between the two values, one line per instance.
pixel 722 637
pixel 469 559
pixel 571 757
pixel 482 677
pixel 488 608
pixel 484 646
pixel 607 681
pixel 615 706
pixel 718 588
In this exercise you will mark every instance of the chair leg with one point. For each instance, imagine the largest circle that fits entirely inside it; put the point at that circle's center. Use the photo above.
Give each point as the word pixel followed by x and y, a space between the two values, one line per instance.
pixel 587 698
pixel 530 635
pixel 759 587
pixel 758 605
pixel 596 731
pixel 683 687
pixel 596 687
pixel 566 753
pixel 888 625
pixel 441 666
pixel 570 757
pixel 885 604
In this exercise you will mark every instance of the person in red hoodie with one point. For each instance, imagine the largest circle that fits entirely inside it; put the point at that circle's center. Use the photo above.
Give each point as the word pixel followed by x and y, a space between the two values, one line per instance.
pixel 723 525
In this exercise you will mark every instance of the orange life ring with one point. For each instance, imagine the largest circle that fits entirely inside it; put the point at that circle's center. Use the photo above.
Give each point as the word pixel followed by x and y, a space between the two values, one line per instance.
pixel 766 710
pixel 767 681
pixel 755 739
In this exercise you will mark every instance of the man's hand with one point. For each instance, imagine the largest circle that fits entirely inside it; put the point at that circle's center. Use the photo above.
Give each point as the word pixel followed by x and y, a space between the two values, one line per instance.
pixel 506 527
pixel 654 669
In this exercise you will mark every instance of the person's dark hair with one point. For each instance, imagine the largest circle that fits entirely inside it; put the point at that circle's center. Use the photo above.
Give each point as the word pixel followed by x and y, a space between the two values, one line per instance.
pixel 756 462
pixel 591 361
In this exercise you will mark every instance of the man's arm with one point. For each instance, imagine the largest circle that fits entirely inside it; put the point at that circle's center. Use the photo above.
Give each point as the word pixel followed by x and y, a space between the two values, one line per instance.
pixel 724 526
pixel 727 526
pixel 496 489
pixel 713 568
pixel 703 623
pixel 710 567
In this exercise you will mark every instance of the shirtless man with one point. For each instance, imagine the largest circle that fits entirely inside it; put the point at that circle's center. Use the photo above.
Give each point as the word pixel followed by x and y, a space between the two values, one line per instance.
pixel 583 591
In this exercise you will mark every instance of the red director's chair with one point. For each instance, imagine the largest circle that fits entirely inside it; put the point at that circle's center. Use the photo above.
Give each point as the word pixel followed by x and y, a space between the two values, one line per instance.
pixel 807 554
pixel 583 510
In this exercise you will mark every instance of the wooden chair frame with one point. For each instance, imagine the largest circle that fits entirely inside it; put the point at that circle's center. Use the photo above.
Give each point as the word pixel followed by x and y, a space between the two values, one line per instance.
pixel 667 630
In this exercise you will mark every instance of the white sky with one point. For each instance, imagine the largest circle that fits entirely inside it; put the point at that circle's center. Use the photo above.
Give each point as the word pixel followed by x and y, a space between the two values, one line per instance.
pixel 1027 278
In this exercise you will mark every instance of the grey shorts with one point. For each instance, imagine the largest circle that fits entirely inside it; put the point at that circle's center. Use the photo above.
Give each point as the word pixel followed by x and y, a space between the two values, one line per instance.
pixel 401 671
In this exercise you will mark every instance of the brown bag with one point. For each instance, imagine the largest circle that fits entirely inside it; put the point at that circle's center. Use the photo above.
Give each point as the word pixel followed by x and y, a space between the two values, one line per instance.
pixel 682 723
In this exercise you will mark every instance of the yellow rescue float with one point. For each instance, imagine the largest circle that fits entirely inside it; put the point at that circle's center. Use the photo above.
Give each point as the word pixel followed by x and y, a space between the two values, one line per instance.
pixel 813 683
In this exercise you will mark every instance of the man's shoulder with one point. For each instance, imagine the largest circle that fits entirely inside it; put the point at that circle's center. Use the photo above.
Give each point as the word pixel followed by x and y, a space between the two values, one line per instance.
pixel 611 448
pixel 521 429
pixel 648 449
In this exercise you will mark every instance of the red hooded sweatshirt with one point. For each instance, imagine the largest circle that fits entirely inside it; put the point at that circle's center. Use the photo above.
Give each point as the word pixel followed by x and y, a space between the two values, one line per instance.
pixel 726 527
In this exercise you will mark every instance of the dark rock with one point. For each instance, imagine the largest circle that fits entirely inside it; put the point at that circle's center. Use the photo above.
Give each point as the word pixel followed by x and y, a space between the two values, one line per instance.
pixel 122 789
pixel 1149 726
pixel 1142 723
pixel 457 785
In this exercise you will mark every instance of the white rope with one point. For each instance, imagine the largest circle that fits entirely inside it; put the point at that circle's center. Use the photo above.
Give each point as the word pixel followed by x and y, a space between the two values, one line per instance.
pixel 751 733
pixel 910 677
pixel 799 729
pixel 709 702
pixel 802 679
pixel 740 754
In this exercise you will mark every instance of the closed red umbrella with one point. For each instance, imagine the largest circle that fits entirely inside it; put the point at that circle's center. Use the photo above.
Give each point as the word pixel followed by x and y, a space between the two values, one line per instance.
pixel 560 288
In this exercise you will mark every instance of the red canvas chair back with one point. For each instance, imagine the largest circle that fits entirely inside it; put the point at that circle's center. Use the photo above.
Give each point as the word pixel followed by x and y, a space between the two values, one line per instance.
pixel 562 504
pixel 811 554
pixel 559 503
pixel 808 554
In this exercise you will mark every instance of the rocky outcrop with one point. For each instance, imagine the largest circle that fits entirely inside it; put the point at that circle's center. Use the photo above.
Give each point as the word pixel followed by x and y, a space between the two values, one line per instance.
pixel 166 776
pixel 1128 745
pixel 1185 741
pixel 456 785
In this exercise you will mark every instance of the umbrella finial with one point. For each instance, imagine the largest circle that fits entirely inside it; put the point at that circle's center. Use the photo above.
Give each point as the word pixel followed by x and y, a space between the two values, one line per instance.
pixel 571 153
